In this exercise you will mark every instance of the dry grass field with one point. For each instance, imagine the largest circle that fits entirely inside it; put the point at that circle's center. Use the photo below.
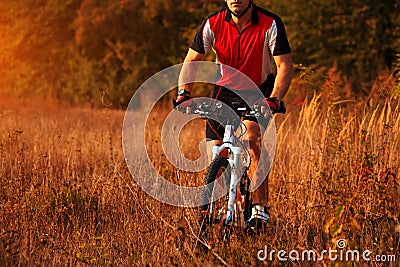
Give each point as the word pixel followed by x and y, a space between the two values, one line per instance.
pixel 68 199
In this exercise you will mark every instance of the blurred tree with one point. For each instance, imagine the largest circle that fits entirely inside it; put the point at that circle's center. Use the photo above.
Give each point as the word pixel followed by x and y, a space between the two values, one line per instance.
pixel 125 42
pixel 80 49
pixel 36 42
pixel 359 37
pixel 83 49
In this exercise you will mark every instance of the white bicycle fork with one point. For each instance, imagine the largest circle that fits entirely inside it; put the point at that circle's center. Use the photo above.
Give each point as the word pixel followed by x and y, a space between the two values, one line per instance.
pixel 234 164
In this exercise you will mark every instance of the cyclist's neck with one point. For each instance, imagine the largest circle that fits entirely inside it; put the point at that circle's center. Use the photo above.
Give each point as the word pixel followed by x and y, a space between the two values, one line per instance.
pixel 245 19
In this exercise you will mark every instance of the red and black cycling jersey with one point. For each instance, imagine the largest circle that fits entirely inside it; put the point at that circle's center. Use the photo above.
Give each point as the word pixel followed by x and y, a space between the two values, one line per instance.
pixel 250 50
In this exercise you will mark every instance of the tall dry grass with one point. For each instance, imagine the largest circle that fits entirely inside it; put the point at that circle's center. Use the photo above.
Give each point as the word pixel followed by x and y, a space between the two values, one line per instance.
pixel 67 198
pixel 335 176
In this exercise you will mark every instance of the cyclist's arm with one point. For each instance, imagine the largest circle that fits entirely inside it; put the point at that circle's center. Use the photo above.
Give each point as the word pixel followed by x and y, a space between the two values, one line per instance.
pixel 189 71
pixel 284 74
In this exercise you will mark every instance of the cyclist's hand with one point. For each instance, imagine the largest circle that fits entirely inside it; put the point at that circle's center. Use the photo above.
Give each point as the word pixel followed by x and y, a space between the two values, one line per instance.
pixel 183 103
pixel 273 104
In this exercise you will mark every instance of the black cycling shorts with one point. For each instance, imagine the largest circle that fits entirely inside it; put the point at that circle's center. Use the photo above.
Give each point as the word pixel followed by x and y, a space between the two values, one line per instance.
pixel 214 130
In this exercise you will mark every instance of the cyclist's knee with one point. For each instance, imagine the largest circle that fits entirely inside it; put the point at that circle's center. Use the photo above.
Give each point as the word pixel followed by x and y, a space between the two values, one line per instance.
pixel 217 142
pixel 253 139
pixel 253 130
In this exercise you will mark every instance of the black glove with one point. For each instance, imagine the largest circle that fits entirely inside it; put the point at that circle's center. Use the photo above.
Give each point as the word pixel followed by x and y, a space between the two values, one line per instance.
pixel 183 101
pixel 273 103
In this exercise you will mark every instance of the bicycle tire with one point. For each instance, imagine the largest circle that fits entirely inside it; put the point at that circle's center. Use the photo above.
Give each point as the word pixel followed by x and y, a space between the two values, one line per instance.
pixel 214 209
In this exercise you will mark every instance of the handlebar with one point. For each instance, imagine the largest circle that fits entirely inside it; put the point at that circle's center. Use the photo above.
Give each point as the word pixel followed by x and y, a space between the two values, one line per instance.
pixel 216 109
pixel 245 112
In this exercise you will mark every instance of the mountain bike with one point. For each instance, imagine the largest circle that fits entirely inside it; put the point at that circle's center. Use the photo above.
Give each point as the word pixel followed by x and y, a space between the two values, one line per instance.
pixel 228 175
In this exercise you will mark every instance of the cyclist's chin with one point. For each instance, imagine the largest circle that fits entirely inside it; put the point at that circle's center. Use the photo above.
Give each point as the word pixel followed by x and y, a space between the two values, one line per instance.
pixel 236 9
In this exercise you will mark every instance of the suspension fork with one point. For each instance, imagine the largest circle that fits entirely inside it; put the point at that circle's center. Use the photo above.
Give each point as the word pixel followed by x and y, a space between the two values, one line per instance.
pixel 234 163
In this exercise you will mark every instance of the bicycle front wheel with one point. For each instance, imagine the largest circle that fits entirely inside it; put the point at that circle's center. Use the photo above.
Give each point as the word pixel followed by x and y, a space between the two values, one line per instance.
pixel 217 182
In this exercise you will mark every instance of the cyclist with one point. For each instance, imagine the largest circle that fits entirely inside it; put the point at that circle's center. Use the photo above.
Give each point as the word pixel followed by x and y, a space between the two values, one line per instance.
pixel 247 38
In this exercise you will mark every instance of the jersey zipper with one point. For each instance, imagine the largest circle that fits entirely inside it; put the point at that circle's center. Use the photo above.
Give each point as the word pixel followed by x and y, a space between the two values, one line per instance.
pixel 239 38
pixel 240 34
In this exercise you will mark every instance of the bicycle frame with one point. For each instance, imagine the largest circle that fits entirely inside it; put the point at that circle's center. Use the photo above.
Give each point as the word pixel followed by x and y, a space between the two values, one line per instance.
pixel 237 210
pixel 233 209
